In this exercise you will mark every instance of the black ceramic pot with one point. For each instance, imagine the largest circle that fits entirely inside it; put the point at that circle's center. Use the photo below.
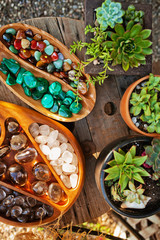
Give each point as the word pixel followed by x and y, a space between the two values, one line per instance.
pixel 105 156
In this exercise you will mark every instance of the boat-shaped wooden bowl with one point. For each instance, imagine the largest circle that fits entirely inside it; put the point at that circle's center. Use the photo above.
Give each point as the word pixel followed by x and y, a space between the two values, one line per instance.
pixel 88 100
pixel 25 117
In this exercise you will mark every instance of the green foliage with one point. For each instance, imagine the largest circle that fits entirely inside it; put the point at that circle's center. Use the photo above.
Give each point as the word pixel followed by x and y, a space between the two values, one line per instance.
pixel 132 14
pixel 134 194
pixel 153 156
pixel 146 104
pixel 129 46
pixel 116 193
pixel 126 167
pixel 109 14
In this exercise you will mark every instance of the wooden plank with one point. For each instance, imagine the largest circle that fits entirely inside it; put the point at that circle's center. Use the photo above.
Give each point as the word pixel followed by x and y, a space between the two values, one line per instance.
pixel 90 7
pixel 149 231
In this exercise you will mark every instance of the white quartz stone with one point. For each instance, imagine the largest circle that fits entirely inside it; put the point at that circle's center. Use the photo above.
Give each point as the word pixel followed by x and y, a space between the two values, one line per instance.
pixel 55 153
pixel 68 168
pixel 70 148
pixel 45 149
pixel 44 130
pixel 65 180
pixel 67 156
pixel 63 147
pixel 73 180
pixel 62 138
pixel 41 139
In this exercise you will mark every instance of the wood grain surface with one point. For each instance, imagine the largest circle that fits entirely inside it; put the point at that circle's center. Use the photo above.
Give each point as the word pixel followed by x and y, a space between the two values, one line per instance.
pixel 93 132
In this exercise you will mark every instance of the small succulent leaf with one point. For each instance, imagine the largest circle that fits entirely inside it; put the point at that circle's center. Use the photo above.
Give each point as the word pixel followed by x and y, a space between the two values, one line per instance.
pixel 138 178
pixel 126 192
pixel 137 110
pixel 126 34
pixel 156 148
pixel 119 158
pixel 140 191
pixel 151 128
pixel 107 44
pixel 138 50
pixel 113 54
pixel 147 111
pixel 147 51
pixel 145 43
pixel 133 151
pixel 148 150
pixel 112 163
pixel 139 56
pixel 125 66
pixel 128 158
pixel 143 172
pixel 130 25
pixel 121 152
pixel 135 30
pixel 138 161
pixel 123 181
pixel 131 186
pixel 114 36
pixel 157 128
pixel 119 29
pixel 155 141
pixel 137 39
pixel 145 33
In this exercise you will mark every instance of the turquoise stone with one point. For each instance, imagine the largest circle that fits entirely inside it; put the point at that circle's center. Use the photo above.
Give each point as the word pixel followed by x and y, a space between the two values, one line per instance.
pixel 12 65
pixel 11 31
pixel 27 91
pixel 67 101
pixel 64 111
pixel 42 85
pixel 55 88
pixel 4 69
pixel 68 60
pixel 50 67
pixel 55 107
pixel 49 50
pixel 46 42
pixel 75 107
pixel 62 95
pixel 60 56
pixel 29 38
pixel 13 50
pixel 37 55
pixel 19 79
pixel 47 101
pixel 71 94
pixel 58 64
pixel 36 95
pixel 11 80
pixel 30 80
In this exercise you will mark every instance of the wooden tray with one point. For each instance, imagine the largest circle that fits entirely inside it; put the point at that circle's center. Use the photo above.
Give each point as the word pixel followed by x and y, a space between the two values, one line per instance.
pixel 88 100
pixel 90 7
pixel 25 117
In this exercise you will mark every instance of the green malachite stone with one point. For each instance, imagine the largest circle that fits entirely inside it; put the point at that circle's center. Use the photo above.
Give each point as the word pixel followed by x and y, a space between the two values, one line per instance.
pixel 4 69
pixel 36 95
pixel 19 79
pixel 64 111
pixel 68 60
pixel 50 67
pixel 27 91
pixel 55 88
pixel 13 50
pixel 62 95
pixel 42 85
pixel 55 107
pixel 49 50
pixel 46 42
pixel 30 80
pixel 11 30
pixel 71 94
pixel 58 64
pixel 67 101
pixel 12 65
pixel 47 101
pixel 37 55
pixel 29 38
pixel 11 80
pixel 75 107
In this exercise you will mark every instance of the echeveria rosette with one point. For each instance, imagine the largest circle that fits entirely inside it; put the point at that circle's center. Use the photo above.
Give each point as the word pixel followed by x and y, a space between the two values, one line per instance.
pixel 129 46
pixel 109 14
pixel 126 167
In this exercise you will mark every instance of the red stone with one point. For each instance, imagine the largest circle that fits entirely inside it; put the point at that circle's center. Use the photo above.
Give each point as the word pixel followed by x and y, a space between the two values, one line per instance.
pixel 24 53
pixel 17 44
pixel 45 58
pixel 54 56
pixel 20 34
pixel 41 46
pixel 21 56
pixel 34 44
pixel 41 65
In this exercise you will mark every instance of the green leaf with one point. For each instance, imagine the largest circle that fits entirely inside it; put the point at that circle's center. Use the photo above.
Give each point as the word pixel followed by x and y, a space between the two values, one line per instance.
pixel 139 56
pixel 114 36
pixel 133 151
pixel 137 177
pixel 119 29
pixel 125 66
pixel 114 172
pixel 151 128
pixel 131 186
pixel 123 181
pixel 147 51
pixel 112 163
pixel 130 25
pixel 145 43
pixel 107 44
pixel 128 158
pixel 145 33
pixel 119 158
pixel 138 161
pixel 148 150
pixel 135 30
pixel 121 152
pixel 136 110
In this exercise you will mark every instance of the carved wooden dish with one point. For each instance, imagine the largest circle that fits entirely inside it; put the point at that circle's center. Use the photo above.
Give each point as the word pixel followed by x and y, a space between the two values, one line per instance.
pixel 88 100
pixel 25 117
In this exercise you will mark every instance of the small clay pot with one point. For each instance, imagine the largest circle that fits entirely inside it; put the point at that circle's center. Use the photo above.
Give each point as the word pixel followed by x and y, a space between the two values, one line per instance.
pixel 107 155
pixel 124 108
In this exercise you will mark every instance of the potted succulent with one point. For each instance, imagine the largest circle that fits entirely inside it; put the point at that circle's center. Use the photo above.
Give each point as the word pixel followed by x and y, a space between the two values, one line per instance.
pixel 127 175
pixel 140 106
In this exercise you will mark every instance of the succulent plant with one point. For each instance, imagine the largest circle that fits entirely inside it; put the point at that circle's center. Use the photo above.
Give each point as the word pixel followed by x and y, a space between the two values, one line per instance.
pixel 129 46
pixel 153 155
pixel 132 14
pixel 109 14
pixel 116 193
pixel 146 104
pixel 126 167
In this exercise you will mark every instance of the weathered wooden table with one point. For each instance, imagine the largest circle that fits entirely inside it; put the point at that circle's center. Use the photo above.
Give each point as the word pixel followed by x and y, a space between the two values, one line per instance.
pixel 103 125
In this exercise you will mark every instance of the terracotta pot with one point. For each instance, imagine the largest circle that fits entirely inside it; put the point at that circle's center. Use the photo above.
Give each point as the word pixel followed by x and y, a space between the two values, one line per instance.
pixel 124 108
pixel 107 155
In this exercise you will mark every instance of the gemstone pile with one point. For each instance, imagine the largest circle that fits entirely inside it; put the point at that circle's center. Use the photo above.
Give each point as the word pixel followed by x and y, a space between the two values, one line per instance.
pixel 52 96
pixel 60 153
pixel 39 52
pixel 21 208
